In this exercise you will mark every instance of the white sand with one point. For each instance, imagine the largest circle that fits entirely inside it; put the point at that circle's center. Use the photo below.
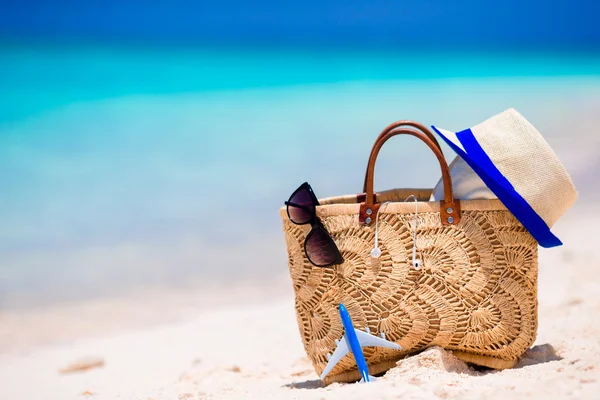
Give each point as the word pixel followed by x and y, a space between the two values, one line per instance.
pixel 253 351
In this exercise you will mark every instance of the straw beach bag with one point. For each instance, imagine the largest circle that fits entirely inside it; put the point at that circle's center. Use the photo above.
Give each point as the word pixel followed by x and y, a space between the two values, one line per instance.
pixel 474 292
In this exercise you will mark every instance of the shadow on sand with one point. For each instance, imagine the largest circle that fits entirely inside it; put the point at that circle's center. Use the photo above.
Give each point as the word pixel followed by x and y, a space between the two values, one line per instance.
pixel 539 354
pixel 311 384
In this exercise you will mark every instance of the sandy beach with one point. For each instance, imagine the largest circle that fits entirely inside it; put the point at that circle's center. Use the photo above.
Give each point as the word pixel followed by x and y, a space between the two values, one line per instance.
pixel 231 332
pixel 244 344
pixel 147 149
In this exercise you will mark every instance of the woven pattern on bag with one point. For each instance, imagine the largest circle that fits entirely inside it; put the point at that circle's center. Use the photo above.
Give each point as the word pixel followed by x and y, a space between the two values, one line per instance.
pixel 476 291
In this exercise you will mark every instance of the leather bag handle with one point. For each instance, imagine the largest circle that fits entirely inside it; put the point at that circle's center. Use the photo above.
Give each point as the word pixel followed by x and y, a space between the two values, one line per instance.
pixel 449 207
pixel 398 124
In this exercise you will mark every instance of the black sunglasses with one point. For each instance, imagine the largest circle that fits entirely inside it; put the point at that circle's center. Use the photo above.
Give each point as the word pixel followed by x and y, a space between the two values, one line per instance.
pixel 319 247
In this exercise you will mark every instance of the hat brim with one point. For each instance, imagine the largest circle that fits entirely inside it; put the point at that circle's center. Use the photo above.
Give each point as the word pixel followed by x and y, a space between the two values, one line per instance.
pixel 466 145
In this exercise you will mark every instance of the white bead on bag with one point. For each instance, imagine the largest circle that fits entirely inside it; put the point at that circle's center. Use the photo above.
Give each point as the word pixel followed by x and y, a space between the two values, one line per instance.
pixel 376 252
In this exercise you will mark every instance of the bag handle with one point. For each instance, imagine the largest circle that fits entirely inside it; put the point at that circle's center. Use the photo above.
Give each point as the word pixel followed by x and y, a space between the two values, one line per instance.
pixel 398 124
pixel 449 207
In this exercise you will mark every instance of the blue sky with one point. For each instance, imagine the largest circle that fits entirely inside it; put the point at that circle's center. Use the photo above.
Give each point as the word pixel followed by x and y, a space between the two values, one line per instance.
pixel 469 23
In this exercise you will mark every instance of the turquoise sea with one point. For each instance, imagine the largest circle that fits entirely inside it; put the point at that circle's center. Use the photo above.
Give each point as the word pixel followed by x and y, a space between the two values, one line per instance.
pixel 129 166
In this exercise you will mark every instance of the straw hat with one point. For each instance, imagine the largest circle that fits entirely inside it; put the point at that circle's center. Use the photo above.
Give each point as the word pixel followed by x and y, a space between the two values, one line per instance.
pixel 517 164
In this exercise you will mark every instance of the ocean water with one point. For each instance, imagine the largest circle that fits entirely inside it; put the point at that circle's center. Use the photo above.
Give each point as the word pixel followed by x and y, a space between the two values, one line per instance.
pixel 122 167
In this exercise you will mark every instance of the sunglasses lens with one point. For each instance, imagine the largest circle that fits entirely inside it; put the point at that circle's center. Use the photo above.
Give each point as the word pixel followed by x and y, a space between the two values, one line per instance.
pixel 320 248
pixel 306 207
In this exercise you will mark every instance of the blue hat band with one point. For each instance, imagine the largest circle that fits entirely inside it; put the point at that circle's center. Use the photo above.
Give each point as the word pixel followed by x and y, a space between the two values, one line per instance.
pixel 477 158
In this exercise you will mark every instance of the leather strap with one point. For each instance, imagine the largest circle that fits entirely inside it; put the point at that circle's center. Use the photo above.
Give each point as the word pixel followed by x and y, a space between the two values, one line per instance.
pixel 398 124
pixel 449 207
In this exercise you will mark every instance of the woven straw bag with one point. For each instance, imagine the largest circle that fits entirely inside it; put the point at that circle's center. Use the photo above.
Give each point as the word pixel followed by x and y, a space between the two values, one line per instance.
pixel 475 293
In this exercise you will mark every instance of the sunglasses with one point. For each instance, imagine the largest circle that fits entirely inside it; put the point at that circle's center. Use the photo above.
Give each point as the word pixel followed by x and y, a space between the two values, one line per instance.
pixel 319 247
